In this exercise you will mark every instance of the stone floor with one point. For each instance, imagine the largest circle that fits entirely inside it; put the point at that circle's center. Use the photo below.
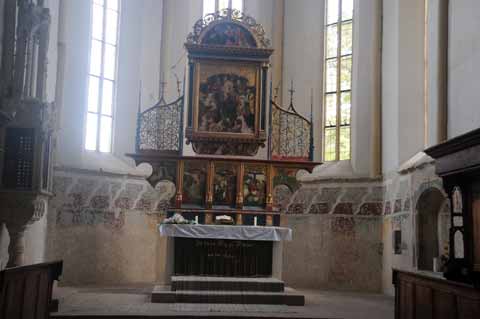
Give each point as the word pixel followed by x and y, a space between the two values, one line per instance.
pixel 135 301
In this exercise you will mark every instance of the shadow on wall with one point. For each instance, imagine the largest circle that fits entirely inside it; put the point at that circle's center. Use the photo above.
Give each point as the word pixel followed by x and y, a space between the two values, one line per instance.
pixel 433 225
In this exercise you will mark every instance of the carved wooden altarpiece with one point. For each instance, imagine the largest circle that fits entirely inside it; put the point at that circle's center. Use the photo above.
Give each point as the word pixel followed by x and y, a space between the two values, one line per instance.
pixel 227 98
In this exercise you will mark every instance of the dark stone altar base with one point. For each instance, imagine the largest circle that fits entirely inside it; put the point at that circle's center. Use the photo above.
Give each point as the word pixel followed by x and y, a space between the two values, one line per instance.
pixel 220 257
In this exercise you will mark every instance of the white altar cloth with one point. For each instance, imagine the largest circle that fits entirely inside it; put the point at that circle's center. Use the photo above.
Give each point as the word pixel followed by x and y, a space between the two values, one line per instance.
pixel 226 232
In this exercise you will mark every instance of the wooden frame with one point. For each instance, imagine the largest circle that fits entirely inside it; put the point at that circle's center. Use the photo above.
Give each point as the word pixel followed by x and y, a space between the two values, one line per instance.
pixel 227 118
pixel 224 68
pixel 271 168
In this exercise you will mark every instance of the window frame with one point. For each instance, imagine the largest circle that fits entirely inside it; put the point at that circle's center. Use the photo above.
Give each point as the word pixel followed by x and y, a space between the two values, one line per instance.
pixel 217 3
pixel 101 77
pixel 338 57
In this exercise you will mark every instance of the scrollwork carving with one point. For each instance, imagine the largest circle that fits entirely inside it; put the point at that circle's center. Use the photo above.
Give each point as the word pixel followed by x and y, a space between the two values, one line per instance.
pixel 234 15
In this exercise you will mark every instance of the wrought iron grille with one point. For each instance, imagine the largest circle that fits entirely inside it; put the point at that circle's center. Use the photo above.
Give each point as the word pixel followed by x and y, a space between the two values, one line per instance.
pixel 159 128
pixel 18 162
pixel 291 134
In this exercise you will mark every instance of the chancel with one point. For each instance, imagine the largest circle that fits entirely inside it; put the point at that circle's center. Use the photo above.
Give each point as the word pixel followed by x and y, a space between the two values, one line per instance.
pixel 239 158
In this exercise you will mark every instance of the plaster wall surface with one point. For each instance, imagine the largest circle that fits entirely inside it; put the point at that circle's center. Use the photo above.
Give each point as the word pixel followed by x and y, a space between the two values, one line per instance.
pixel 303 60
pixel 403 104
pixel 402 194
pixel 434 55
pixel 35 242
pixel 337 235
pixel 138 62
pixel 390 94
pixel 411 68
pixel 104 228
pixel 333 252
pixel 129 70
pixel 365 82
pixel 463 67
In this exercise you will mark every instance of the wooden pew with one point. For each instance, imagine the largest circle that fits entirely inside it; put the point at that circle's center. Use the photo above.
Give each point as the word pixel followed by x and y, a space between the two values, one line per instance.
pixel 422 296
pixel 26 291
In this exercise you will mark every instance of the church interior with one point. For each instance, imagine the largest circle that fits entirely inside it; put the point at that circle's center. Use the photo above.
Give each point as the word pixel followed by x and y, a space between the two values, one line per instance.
pixel 239 158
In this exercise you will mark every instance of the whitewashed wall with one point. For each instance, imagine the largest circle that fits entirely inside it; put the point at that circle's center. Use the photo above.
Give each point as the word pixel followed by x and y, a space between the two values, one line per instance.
pixel 138 62
pixel 464 67
pixel 303 59
pixel 403 109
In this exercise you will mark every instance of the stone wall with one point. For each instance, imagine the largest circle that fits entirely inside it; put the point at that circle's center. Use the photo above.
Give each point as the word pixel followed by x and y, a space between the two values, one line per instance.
pixel 402 194
pixel 104 227
pixel 343 228
pixel 337 235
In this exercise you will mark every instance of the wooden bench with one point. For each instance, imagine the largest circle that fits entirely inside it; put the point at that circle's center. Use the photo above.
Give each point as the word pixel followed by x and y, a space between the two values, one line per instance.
pixel 422 296
pixel 26 291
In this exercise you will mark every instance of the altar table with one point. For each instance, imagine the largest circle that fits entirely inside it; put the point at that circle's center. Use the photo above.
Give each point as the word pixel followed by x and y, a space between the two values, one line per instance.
pixel 226 232
pixel 224 250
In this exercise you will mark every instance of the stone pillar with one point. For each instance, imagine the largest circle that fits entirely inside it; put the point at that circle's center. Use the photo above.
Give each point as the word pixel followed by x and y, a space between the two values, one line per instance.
pixel 376 136
pixel 436 71
pixel 16 248
pixel 277 41
pixel 442 119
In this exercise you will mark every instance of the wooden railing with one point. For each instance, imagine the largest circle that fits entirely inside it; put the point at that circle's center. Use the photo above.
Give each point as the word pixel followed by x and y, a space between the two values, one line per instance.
pixel 26 291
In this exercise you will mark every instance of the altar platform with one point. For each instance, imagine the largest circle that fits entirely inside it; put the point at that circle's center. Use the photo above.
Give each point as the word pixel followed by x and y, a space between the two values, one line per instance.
pixel 132 302
pixel 226 264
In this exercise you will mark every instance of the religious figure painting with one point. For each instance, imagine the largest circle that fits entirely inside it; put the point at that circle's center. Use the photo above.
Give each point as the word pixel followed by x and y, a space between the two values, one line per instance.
pixel 224 185
pixel 229 34
pixel 227 99
pixel 457 200
pixel 254 186
pixel 194 177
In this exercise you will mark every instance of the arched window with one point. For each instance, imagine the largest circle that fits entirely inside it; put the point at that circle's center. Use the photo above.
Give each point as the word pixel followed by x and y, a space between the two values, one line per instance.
pixel 211 6
pixel 338 79
pixel 102 75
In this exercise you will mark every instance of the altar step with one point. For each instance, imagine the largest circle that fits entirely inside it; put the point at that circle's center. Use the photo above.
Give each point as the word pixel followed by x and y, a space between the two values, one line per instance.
pixel 288 297
pixel 226 284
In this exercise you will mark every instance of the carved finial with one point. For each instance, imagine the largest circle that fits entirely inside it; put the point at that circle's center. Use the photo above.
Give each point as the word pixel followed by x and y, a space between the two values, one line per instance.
pixel 291 94
pixel 140 98
pixel 311 105
pixel 163 86
pixel 178 84
pixel 276 93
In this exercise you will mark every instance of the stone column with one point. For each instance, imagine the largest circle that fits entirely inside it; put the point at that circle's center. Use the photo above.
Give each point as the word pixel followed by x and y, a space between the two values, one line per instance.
pixel 442 133
pixel 376 135
pixel 436 71
pixel 16 248
pixel 277 41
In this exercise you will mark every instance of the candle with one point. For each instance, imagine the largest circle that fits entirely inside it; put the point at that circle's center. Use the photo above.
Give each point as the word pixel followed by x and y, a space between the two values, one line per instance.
pixel 255 221
pixel 196 219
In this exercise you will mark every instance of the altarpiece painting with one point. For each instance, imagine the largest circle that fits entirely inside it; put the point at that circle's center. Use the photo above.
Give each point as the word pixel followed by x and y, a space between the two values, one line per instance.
pixel 228 66
pixel 227 101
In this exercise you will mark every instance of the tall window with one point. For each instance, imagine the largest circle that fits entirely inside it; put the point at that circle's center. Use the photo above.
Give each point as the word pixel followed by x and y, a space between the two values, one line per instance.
pixel 102 75
pixel 210 6
pixel 338 79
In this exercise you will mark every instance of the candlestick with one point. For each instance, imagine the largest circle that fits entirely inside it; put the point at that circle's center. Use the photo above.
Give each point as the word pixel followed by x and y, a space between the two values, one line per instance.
pixel 196 219
pixel 255 221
